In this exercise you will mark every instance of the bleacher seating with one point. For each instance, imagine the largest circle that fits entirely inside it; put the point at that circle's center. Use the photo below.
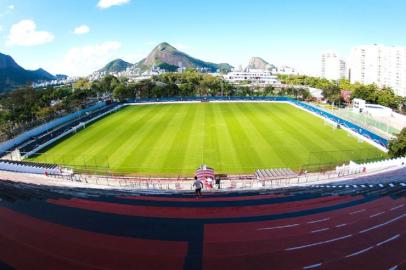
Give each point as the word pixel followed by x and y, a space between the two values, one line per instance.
pixel 324 227
pixel 274 174
pixel 30 167
pixel 43 138
pixel 354 168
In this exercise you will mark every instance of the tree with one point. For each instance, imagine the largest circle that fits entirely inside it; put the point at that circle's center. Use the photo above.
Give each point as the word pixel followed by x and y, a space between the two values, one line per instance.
pixel 121 92
pixel 386 97
pixel 332 93
pixel 397 147
pixel 269 91
pixel 108 83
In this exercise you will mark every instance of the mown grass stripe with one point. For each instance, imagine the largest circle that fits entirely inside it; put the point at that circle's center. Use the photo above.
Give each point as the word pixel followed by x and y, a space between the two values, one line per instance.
pixel 173 139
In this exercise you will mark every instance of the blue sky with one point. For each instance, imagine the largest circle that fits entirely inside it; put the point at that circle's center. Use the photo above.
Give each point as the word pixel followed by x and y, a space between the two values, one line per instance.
pixel 40 33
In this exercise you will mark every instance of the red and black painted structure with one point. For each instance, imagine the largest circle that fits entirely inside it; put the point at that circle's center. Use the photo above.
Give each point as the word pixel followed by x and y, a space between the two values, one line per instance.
pixel 298 228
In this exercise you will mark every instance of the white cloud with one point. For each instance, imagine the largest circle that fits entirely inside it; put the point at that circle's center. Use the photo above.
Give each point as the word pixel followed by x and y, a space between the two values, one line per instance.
pixel 81 61
pixel 103 4
pixel 11 7
pixel 25 33
pixel 1 28
pixel 80 30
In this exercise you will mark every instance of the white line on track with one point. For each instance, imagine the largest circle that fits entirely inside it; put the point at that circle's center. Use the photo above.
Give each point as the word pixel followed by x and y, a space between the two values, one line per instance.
pixel 383 224
pixel 318 221
pixel 388 240
pixel 341 225
pixel 319 243
pixel 312 266
pixel 371 247
pixel 377 214
pixel 357 212
pixel 278 227
pixel 359 252
pixel 397 207
pixel 320 230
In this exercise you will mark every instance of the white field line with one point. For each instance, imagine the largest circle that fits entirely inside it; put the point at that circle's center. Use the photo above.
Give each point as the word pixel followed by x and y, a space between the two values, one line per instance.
pixel 341 225
pixel 320 230
pixel 388 240
pixel 377 214
pixel 312 266
pixel 371 247
pixel 357 212
pixel 319 243
pixel 397 207
pixel 318 221
pixel 383 224
pixel 359 252
pixel 278 227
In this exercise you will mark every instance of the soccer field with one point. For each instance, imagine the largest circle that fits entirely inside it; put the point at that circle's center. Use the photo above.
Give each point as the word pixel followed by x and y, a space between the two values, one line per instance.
pixel 174 139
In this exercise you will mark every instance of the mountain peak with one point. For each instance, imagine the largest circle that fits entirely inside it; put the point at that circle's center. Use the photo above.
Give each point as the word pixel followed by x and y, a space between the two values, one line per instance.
pixel 42 74
pixel 117 65
pixel 258 63
pixel 164 46
pixel 169 58
pixel 6 61
pixel 12 75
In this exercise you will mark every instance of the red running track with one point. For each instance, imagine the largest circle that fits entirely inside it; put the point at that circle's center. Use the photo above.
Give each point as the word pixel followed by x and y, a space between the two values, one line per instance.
pixel 154 232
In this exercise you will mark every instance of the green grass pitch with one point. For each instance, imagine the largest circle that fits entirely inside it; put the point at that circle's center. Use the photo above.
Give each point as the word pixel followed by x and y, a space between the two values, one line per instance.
pixel 237 138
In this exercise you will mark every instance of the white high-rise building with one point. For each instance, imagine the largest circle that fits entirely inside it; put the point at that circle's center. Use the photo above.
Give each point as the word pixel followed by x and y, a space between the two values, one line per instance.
pixel 332 66
pixel 382 65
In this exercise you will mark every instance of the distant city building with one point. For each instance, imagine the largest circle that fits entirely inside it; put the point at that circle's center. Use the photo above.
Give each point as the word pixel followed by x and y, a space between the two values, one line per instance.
pixel 56 82
pixel 257 77
pixel 285 70
pixel 132 73
pixel 382 65
pixel 332 66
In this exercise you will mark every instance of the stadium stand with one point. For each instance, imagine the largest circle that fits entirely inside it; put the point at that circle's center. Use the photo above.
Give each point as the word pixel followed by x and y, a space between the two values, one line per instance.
pixel 354 168
pixel 32 167
pixel 43 138
pixel 330 227
pixel 355 223
pixel 270 174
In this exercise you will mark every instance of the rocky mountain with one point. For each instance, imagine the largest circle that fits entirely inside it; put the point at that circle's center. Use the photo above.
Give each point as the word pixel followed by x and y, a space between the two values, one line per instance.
pixel 168 57
pixel 115 66
pixel 43 75
pixel 12 75
pixel 259 63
